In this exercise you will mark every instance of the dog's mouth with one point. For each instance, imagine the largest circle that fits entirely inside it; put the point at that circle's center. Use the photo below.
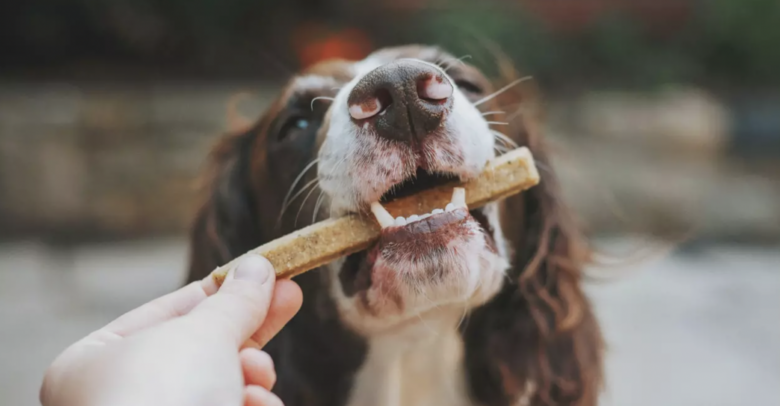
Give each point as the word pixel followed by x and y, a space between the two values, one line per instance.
pixel 430 230
pixel 425 224
pixel 423 246
pixel 422 180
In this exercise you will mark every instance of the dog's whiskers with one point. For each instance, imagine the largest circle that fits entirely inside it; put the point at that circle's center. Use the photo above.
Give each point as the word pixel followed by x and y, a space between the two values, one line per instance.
pixel 450 63
pixel 503 146
pixel 317 206
pixel 303 203
pixel 502 90
pixel 497 122
pixel 320 98
pixel 338 166
pixel 311 183
pixel 544 167
pixel 501 150
pixel 298 179
pixel 520 110
pixel 466 307
pixel 504 139
pixel 419 316
pixel 487 113
pixel 430 329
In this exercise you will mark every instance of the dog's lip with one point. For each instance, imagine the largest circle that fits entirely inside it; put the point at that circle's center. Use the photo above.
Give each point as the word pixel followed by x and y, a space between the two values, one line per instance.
pixel 428 225
pixel 435 222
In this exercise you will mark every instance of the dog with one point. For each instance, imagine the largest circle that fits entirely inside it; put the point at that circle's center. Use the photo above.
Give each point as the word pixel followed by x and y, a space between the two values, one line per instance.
pixel 480 308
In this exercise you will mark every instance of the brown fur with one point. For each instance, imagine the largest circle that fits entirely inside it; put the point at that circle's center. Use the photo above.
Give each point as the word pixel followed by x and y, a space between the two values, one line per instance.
pixel 542 329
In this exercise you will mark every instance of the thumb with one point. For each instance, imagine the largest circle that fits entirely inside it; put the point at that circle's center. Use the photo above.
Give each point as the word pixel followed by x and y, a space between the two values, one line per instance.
pixel 240 306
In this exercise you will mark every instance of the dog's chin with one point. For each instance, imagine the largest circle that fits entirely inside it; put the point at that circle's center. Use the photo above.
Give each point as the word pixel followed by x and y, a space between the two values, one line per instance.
pixel 445 263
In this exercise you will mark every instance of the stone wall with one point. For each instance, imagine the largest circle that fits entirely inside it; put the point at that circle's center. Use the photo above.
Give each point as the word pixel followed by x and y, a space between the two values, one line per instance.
pixel 668 163
pixel 120 161
pixel 105 160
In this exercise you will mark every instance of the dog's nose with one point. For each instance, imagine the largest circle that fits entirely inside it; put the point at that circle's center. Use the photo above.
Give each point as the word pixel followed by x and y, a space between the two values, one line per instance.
pixel 403 100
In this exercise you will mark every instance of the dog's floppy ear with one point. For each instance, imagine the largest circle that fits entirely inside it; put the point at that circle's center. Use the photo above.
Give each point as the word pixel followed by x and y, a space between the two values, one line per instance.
pixel 537 341
pixel 226 225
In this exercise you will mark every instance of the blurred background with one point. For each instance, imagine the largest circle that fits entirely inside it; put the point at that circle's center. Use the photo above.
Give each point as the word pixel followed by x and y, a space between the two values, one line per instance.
pixel 665 116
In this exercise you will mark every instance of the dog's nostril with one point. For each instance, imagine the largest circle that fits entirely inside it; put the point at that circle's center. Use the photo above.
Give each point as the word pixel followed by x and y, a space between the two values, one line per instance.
pixel 434 88
pixel 385 99
pixel 372 106
pixel 366 109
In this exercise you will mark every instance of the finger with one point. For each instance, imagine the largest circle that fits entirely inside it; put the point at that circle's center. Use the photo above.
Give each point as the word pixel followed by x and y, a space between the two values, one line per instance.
pixel 257 396
pixel 250 343
pixel 239 308
pixel 258 368
pixel 167 307
pixel 209 285
pixel 286 302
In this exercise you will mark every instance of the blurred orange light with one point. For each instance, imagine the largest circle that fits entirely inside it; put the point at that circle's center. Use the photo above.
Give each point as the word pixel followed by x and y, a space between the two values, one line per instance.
pixel 314 44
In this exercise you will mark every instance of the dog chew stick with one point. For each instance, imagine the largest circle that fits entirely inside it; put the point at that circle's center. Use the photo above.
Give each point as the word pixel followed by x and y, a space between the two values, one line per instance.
pixel 325 241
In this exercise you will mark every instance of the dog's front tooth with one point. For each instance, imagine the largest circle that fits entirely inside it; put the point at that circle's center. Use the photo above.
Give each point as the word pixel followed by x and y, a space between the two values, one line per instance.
pixel 437 211
pixel 450 207
pixel 412 218
pixel 382 216
pixel 400 221
pixel 459 197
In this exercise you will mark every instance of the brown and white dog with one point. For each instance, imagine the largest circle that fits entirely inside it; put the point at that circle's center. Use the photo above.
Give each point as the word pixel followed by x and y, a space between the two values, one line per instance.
pixel 480 308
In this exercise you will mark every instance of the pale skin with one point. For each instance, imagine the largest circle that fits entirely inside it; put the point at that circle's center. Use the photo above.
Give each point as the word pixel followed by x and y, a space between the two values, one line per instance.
pixel 200 345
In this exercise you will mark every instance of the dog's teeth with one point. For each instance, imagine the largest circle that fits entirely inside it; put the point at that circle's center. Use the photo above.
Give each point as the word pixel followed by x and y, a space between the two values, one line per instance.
pixel 413 217
pixel 425 216
pixel 459 197
pixel 400 221
pixel 437 211
pixel 382 216
pixel 450 207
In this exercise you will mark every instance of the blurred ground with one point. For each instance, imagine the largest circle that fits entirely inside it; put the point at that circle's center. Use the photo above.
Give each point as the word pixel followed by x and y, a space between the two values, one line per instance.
pixel 697 328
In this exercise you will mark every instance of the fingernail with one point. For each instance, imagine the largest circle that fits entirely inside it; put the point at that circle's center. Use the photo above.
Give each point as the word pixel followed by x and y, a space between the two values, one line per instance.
pixel 254 268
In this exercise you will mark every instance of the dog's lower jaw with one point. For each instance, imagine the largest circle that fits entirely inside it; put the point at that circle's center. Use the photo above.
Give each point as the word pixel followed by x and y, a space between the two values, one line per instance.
pixel 416 357
pixel 417 364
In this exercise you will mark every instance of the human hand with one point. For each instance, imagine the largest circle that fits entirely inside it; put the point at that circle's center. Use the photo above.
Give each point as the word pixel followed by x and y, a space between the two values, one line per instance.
pixel 197 346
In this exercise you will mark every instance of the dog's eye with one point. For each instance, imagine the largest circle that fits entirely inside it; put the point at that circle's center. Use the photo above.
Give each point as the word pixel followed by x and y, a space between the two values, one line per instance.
pixel 468 86
pixel 293 126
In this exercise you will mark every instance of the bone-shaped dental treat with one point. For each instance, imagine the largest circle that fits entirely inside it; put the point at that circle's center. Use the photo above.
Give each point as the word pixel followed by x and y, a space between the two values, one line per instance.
pixel 325 241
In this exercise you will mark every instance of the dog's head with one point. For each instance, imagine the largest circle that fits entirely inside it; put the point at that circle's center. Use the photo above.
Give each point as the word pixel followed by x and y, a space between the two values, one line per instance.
pixel 343 135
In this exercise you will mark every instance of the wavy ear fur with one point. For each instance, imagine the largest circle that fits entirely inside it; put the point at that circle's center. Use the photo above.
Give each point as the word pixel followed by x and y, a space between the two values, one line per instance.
pixel 226 225
pixel 537 342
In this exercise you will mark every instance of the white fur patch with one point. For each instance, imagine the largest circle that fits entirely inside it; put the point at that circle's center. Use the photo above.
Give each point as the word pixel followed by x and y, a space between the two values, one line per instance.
pixel 420 364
